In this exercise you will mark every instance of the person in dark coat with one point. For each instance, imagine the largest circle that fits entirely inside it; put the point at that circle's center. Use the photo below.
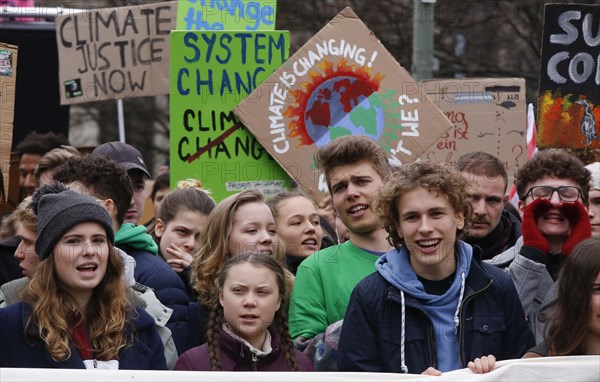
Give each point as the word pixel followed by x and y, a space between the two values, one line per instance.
pixel 22 347
pixel 248 328
pixel 432 306
pixel 75 311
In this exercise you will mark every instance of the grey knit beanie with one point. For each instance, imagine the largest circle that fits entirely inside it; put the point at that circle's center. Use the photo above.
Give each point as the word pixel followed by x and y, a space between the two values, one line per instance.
pixel 59 209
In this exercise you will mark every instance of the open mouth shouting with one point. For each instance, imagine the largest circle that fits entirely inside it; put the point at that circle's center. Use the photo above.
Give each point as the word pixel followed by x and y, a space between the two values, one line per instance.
pixel 87 269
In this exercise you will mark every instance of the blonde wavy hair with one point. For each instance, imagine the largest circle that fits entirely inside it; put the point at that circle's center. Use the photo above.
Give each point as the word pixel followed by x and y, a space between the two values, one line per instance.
pixel 436 177
pixel 25 215
pixel 214 246
pixel 55 313
pixel 192 183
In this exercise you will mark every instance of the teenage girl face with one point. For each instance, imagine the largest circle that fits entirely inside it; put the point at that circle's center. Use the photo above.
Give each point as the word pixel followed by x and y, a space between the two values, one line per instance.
pixel 180 233
pixel 250 298
pixel 298 226
pixel 80 259
pixel 252 229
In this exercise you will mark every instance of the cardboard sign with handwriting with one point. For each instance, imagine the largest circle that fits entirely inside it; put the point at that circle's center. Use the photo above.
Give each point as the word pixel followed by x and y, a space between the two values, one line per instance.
pixel 342 81
pixel 112 53
pixel 211 72
pixel 8 78
pixel 487 114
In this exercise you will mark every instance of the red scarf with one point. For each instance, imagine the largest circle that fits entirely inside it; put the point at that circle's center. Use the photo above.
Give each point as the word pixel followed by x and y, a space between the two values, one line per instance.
pixel 82 342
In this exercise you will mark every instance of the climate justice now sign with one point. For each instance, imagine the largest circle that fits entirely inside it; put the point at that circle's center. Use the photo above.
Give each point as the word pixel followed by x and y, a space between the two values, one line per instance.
pixel 112 53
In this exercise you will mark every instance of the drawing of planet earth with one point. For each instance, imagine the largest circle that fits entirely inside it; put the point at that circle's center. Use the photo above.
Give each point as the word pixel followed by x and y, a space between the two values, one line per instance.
pixel 342 106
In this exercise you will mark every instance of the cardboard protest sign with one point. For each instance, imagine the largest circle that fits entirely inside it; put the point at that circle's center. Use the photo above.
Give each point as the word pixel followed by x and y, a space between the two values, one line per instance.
pixel 112 53
pixel 569 95
pixel 487 114
pixel 211 72
pixel 342 81
pixel 250 15
pixel 8 78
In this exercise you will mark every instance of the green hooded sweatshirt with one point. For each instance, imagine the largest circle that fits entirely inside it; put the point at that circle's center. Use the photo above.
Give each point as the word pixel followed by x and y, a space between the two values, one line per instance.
pixel 135 237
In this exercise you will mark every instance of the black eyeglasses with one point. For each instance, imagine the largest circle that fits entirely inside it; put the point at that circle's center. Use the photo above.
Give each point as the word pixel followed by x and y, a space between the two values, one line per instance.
pixel 565 193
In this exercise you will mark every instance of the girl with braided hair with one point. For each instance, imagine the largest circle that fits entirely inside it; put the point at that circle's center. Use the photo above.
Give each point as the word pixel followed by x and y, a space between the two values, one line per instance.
pixel 248 328
pixel 240 223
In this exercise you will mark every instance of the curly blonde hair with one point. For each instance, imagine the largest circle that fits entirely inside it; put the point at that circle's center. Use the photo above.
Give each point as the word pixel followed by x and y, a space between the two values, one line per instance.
pixel 432 177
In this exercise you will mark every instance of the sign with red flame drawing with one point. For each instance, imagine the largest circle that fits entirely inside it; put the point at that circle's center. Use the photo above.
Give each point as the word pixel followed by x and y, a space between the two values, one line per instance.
pixel 342 81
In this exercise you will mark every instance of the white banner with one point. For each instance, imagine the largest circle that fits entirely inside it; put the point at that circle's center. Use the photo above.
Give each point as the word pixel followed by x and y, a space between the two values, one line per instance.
pixel 575 369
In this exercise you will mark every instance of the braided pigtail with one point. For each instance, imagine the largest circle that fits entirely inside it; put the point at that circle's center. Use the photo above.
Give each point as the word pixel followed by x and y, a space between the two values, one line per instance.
pixel 287 346
pixel 212 335
pixel 280 320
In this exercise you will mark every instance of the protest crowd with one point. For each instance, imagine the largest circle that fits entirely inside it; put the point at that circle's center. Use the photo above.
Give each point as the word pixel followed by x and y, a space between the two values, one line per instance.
pixel 374 264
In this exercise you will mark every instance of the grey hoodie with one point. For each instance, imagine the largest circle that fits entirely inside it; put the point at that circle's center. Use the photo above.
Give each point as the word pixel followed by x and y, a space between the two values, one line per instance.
pixel 532 281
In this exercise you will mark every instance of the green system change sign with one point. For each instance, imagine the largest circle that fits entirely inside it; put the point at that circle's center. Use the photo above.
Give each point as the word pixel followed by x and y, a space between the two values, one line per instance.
pixel 211 72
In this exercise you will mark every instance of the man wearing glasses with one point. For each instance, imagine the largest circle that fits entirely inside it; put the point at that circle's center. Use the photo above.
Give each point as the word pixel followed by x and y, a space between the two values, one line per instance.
pixel 553 192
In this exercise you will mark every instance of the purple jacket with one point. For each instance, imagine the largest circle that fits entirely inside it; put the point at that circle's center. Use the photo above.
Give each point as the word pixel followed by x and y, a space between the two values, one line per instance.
pixel 235 356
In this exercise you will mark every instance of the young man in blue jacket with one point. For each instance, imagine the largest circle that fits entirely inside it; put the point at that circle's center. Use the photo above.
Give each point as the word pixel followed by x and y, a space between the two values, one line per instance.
pixel 432 306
